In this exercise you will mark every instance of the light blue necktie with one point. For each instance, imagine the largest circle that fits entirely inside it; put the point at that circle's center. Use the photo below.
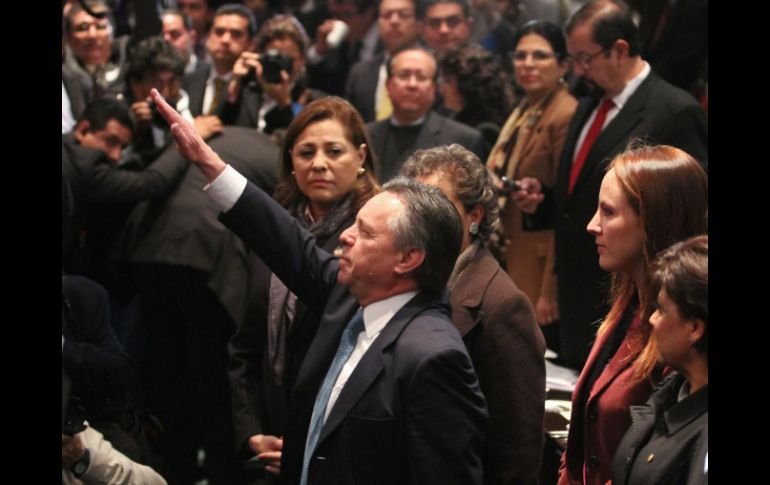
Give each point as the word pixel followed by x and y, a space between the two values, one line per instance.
pixel 347 343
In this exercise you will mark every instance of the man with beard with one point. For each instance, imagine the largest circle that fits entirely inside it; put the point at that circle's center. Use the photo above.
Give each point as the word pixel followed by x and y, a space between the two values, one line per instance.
pixel 628 102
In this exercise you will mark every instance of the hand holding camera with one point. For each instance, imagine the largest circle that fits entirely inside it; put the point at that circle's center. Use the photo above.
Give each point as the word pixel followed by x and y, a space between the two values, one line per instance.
pixel 265 67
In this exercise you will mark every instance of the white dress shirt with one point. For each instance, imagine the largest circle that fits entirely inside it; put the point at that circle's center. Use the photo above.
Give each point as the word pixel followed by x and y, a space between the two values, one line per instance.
pixel 376 316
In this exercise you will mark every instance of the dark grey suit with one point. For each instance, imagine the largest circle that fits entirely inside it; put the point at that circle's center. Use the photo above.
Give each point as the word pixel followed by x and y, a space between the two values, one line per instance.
pixel 411 411
pixel 361 86
pixel 435 131
pixel 658 113
pixel 192 277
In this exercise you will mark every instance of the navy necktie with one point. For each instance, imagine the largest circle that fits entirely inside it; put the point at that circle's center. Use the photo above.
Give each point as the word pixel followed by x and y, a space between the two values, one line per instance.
pixel 347 343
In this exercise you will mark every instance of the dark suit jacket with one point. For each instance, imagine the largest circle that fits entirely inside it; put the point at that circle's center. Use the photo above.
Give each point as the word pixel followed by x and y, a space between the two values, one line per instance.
pixel 75 90
pixel 657 112
pixel 436 130
pixel 183 229
pixel 260 405
pixel 100 191
pixel 680 55
pixel 194 84
pixel 361 86
pixel 331 73
pixel 506 345
pixel 673 449
pixel 411 412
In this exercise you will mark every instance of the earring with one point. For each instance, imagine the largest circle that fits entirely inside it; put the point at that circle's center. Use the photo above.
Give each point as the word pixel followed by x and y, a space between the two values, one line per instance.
pixel 474 229
pixel 293 172
pixel 361 170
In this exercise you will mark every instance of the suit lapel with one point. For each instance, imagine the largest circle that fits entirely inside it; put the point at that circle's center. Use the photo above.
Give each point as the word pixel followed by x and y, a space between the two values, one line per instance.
pixel 469 291
pixel 371 365
pixel 616 135
pixel 430 132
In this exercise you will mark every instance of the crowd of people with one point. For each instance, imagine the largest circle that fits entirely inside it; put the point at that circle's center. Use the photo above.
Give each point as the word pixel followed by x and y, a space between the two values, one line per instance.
pixel 330 242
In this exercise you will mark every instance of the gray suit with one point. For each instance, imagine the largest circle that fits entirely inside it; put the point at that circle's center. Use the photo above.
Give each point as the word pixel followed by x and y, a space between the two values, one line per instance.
pixel 361 86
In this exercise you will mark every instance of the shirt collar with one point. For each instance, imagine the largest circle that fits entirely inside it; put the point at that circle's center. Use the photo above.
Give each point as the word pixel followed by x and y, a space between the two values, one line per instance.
pixel 416 122
pixel 379 313
pixel 631 87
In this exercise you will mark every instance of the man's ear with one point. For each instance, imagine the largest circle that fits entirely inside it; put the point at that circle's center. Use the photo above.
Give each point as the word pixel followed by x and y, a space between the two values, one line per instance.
pixel 80 130
pixel 622 48
pixel 409 260
pixel 698 329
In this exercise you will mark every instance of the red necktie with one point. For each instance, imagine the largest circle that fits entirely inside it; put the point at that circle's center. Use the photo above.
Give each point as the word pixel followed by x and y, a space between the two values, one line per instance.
pixel 593 133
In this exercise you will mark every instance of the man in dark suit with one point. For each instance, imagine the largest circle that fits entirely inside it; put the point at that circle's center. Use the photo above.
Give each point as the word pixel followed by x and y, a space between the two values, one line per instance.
pixel 387 392
pixel 192 278
pixel 630 101
pixel 365 87
pixel 328 66
pixel 411 85
pixel 89 163
pixel 232 33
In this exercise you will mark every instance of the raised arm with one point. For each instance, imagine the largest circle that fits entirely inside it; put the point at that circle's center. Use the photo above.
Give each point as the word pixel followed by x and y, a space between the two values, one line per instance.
pixel 189 143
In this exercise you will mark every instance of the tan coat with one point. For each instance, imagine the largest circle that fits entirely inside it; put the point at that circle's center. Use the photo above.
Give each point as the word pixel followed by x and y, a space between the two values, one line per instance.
pixel 530 254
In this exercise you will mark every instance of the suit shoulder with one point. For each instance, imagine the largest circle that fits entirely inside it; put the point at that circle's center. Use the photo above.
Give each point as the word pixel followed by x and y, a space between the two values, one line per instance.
pixel 430 332
pixel 670 97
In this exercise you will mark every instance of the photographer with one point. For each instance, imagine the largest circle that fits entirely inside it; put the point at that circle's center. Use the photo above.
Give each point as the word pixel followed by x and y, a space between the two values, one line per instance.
pixel 154 63
pixel 268 88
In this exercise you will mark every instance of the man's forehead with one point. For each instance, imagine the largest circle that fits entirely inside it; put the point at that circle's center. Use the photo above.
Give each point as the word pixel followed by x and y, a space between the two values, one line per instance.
pixel 414 56
pixel 443 10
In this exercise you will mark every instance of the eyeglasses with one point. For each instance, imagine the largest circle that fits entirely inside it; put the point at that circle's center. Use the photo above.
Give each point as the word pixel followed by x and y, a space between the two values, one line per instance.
pixel 537 56
pixel 405 76
pixel 452 22
pixel 584 59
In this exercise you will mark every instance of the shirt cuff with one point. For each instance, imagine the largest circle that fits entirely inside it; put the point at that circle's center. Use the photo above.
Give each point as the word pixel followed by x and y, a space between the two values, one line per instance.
pixel 227 188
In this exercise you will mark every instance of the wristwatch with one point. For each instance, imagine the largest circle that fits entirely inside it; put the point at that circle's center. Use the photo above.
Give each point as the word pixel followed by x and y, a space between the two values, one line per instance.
pixel 80 466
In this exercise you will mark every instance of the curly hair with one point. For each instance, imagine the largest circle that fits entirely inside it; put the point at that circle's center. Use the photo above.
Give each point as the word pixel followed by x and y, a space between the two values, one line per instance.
pixel 483 83
pixel 470 179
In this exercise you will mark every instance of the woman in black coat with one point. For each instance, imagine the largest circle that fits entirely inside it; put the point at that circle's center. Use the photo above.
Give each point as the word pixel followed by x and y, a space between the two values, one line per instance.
pixel 661 446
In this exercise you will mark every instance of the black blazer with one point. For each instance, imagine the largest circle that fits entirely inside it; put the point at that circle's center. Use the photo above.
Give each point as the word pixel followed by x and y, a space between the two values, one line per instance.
pixel 657 112
pixel 436 130
pixel 182 229
pixel 661 444
pixel 411 412
pixel 102 195
pixel 260 405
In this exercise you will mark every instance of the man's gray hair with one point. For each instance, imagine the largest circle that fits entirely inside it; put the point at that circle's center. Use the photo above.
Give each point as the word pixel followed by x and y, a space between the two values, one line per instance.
pixel 430 223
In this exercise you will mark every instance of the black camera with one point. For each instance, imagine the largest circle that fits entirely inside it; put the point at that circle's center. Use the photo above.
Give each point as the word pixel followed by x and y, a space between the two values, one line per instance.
pixel 273 62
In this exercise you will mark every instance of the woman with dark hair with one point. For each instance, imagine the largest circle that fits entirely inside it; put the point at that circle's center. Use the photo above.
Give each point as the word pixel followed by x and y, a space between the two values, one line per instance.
pixel 493 316
pixel 659 447
pixel 529 147
pixel 474 84
pixel 650 198
pixel 326 175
